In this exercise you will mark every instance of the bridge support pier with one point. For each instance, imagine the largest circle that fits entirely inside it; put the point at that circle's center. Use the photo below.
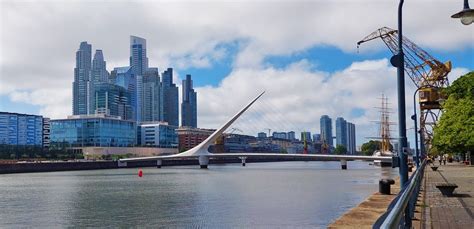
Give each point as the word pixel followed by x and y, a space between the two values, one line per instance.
pixel 243 160
pixel 203 161
pixel 158 163
pixel 344 164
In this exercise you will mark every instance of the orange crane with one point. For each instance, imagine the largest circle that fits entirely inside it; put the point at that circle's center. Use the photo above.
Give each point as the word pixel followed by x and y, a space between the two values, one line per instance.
pixel 428 74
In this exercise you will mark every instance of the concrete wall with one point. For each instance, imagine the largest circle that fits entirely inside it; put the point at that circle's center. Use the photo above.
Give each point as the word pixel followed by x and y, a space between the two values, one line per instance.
pixel 95 152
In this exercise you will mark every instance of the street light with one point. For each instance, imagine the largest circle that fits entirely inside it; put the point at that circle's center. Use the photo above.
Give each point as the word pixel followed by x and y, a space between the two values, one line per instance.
pixel 398 60
pixel 466 15
pixel 414 118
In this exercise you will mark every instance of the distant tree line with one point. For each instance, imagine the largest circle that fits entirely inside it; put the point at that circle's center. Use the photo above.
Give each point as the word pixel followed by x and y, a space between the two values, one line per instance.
pixel 18 152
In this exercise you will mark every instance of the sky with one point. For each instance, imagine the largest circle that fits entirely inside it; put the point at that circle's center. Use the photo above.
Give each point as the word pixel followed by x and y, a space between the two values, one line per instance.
pixel 302 53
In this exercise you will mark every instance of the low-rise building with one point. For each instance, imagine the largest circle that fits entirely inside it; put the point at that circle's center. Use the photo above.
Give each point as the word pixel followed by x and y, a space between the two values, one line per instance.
pixel 189 137
pixel 97 130
pixel 21 129
pixel 157 134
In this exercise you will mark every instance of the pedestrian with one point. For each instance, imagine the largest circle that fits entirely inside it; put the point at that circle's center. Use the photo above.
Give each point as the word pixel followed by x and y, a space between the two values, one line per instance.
pixel 444 159
pixel 439 159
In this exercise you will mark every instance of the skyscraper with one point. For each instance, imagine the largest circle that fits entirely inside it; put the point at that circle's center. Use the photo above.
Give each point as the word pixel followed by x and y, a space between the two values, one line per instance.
pixel 169 99
pixel 81 84
pixel 138 58
pixel 99 75
pixel 111 99
pixel 138 65
pixel 341 131
pixel 123 76
pixel 326 129
pixel 189 104
pixel 151 95
pixel 351 138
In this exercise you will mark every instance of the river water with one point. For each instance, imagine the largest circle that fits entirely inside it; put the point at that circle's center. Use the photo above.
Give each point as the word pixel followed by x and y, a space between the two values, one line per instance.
pixel 265 195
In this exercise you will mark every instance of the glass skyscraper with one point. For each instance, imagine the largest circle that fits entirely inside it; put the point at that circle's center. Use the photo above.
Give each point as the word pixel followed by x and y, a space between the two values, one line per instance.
pixel 189 104
pixel 151 95
pixel 138 58
pixel 99 75
pixel 341 131
pixel 111 99
pixel 81 84
pixel 351 138
pixel 326 129
pixel 169 99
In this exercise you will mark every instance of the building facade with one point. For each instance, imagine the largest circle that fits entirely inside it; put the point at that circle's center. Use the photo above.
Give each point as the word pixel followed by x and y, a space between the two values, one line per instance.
pixel 151 96
pixel 189 104
pixel 326 129
pixel 158 134
pixel 341 131
pixel 113 100
pixel 279 135
pixel 99 75
pixel 169 99
pixel 81 84
pixel 306 136
pixel 138 57
pixel 291 136
pixel 351 138
pixel 189 137
pixel 21 129
pixel 92 130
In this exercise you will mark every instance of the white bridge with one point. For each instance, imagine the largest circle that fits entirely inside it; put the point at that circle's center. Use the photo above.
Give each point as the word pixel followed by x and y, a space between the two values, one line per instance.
pixel 201 152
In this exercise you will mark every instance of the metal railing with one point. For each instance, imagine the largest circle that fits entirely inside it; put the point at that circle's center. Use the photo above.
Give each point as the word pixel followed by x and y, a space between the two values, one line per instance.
pixel 402 209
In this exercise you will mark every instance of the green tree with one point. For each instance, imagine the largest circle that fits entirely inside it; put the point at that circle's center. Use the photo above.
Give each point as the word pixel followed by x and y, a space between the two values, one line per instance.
pixel 454 132
pixel 340 149
pixel 371 146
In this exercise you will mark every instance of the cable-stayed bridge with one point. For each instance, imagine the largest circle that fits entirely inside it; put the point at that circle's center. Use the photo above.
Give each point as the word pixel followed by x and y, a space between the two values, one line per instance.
pixel 202 154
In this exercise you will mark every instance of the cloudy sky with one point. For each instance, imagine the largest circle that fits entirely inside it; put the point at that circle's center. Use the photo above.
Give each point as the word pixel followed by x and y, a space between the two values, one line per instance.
pixel 302 53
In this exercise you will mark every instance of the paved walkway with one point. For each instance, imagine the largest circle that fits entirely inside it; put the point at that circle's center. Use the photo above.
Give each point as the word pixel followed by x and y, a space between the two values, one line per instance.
pixel 449 212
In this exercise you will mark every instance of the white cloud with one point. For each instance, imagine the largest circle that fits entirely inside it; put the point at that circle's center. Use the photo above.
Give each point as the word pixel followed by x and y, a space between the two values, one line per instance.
pixel 38 41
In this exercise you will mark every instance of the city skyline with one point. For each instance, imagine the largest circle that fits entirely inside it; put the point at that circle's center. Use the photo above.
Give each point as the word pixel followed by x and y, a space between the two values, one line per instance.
pixel 318 68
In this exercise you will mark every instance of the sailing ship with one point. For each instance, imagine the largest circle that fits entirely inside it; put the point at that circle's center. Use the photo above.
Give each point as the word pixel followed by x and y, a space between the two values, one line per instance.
pixel 384 133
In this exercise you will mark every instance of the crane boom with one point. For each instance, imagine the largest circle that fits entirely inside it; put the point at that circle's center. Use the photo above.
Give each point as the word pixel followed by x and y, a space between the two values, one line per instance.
pixel 423 69
pixel 428 74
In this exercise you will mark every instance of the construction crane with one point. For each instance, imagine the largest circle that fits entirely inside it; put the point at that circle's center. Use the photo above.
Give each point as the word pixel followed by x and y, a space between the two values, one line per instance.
pixel 428 74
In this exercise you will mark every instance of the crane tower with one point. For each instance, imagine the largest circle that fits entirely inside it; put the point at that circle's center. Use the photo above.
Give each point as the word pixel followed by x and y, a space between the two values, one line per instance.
pixel 428 74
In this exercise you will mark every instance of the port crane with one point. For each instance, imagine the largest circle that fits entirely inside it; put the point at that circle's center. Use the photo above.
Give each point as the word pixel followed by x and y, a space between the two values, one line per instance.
pixel 428 74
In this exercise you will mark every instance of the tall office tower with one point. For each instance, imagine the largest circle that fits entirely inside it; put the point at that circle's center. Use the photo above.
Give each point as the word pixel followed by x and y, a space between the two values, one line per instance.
pixel 326 129
pixel 81 80
pixel 123 76
pixel 139 65
pixel 111 99
pixel 138 59
pixel 189 104
pixel 151 95
pixel 351 138
pixel 341 132
pixel 99 75
pixel 169 99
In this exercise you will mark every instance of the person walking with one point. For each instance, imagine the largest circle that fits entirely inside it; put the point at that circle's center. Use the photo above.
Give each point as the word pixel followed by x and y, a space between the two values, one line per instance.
pixel 439 159
pixel 444 159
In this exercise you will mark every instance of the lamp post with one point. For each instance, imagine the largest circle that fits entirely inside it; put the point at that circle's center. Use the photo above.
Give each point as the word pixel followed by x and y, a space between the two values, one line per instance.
pixel 414 118
pixel 398 61
pixel 466 15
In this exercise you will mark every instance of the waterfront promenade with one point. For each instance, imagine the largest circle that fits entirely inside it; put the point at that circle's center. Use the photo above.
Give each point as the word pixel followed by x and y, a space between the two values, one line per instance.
pixel 449 212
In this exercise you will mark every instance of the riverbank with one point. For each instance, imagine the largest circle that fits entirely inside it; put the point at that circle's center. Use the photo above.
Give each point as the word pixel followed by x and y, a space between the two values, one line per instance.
pixel 366 213
pixel 31 167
